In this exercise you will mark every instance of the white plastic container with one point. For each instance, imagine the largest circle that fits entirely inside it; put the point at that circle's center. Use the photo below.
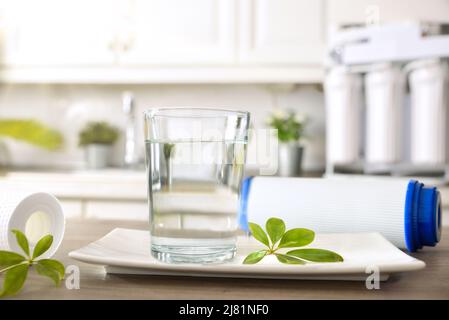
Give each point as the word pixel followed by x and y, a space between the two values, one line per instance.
pixel 343 93
pixel 429 83
pixel 385 89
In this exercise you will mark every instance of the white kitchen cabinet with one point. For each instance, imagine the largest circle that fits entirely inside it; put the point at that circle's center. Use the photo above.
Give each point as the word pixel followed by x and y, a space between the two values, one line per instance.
pixel 180 32
pixel 281 32
pixel 116 210
pixel 161 41
pixel 57 32
pixel 72 208
pixel 385 11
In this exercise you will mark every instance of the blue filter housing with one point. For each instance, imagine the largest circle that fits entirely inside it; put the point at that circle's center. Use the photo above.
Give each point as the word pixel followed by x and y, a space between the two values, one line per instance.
pixel 406 212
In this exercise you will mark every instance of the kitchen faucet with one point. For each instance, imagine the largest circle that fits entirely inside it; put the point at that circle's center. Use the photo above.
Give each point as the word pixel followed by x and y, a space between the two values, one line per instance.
pixel 128 104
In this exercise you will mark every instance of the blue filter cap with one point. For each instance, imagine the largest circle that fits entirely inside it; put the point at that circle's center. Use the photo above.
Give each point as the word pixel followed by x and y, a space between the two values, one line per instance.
pixel 422 216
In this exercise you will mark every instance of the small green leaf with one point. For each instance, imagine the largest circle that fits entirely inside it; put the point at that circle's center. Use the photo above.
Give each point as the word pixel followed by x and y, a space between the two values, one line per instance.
pixel 22 241
pixel 275 228
pixel 316 255
pixel 8 258
pixel 255 257
pixel 296 238
pixel 52 269
pixel 42 245
pixel 14 279
pixel 288 259
pixel 55 264
pixel 259 234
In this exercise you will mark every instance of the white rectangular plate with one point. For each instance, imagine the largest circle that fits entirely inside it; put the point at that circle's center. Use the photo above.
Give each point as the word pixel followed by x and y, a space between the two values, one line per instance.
pixel 127 251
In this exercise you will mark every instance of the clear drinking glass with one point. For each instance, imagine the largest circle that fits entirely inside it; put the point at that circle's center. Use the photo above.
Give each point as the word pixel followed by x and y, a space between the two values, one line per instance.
pixel 195 159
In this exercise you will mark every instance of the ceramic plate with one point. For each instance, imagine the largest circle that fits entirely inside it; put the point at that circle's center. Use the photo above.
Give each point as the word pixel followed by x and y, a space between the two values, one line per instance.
pixel 126 251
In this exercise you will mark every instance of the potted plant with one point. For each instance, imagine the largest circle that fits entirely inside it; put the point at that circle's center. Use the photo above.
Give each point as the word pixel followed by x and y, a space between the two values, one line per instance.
pixel 290 129
pixel 97 138
pixel 29 131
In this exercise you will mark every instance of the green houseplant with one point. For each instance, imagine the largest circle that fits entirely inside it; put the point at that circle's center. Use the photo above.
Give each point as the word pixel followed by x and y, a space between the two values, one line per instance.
pixel 30 131
pixel 290 129
pixel 97 139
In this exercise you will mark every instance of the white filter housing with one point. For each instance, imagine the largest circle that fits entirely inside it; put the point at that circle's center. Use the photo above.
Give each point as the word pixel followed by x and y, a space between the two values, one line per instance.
pixel 343 92
pixel 385 89
pixel 429 114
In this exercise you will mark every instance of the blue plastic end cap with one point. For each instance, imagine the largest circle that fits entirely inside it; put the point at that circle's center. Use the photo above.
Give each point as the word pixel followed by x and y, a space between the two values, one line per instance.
pixel 422 216
pixel 244 193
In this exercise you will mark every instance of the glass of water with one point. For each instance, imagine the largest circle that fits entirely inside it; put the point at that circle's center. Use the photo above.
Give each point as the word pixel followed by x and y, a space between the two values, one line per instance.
pixel 195 160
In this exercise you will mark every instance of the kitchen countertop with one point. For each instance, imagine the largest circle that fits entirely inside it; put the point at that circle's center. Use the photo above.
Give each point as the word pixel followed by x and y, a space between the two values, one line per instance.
pixel 106 184
pixel 430 283
pixel 113 184
pixel 131 185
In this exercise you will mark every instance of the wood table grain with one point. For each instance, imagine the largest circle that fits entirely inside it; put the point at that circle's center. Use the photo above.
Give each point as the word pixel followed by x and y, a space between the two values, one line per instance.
pixel 430 283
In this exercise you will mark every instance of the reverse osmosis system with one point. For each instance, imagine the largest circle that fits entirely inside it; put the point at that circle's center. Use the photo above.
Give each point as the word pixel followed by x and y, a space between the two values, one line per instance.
pixel 387 99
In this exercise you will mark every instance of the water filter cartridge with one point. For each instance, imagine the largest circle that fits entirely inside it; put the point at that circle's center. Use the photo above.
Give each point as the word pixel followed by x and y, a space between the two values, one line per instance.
pixel 34 213
pixel 407 213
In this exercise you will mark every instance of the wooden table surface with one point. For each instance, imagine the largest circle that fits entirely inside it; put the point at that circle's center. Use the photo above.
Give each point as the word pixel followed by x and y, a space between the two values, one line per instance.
pixel 430 283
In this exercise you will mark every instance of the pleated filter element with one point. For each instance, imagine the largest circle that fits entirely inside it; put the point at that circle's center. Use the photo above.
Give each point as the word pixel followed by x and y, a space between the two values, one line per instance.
pixel 392 208
pixel 34 213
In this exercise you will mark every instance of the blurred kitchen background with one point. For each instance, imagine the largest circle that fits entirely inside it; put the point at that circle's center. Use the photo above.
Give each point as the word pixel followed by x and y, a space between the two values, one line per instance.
pixel 366 81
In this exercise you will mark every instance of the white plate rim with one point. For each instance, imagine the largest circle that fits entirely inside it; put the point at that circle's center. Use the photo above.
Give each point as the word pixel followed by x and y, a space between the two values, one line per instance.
pixel 241 269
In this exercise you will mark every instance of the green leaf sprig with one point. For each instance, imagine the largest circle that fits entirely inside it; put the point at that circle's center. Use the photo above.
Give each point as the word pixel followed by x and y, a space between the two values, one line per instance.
pixel 15 266
pixel 278 238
